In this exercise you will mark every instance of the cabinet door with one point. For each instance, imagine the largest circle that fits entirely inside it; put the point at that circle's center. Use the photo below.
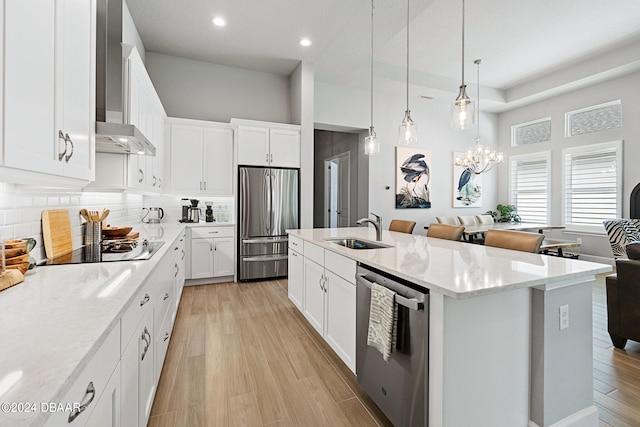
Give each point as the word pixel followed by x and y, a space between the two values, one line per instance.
pixel 314 294
pixel 284 145
pixel 186 158
pixel 146 373
pixel 218 161
pixel 162 343
pixel 295 280
pixel 107 410
pixel 201 258
pixel 137 171
pixel 129 384
pixel 341 318
pixel 75 87
pixel 253 145
pixel 30 136
pixel 223 259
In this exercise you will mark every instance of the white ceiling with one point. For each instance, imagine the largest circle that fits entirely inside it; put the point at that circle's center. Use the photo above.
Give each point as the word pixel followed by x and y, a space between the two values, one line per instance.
pixel 519 41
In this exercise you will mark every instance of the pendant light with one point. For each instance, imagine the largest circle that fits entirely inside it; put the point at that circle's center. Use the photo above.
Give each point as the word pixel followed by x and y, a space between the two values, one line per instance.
pixel 462 108
pixel 407 133
pixel 371 144
pixel 479 159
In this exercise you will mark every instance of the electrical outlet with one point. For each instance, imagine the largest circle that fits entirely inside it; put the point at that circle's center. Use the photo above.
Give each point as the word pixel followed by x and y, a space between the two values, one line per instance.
pixel 564 317
pixel 579 240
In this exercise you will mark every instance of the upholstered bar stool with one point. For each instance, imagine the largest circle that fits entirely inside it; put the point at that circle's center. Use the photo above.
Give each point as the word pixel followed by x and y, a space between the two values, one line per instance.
pixel 515 240
pixel 402 226
pixel 451 220
pixel 445 231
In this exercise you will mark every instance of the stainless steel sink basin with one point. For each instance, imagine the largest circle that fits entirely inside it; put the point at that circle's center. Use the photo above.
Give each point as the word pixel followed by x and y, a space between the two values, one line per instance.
pixel 353 243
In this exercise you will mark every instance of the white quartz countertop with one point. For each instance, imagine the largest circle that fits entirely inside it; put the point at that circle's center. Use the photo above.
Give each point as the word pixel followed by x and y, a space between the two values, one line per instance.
pixel 53 323
pixel 455 269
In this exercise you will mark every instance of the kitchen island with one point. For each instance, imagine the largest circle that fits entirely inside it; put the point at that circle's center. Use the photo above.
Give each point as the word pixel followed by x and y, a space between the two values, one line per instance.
pixel 498 353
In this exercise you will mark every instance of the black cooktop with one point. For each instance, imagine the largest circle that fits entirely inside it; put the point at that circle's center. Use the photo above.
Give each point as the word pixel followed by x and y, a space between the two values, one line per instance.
pixel 90 254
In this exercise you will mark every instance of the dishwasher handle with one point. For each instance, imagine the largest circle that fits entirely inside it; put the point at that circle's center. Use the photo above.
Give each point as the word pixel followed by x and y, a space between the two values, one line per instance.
pixel 410 303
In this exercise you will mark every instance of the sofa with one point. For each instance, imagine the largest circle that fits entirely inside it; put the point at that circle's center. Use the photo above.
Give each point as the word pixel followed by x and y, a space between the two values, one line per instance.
pixel 623 298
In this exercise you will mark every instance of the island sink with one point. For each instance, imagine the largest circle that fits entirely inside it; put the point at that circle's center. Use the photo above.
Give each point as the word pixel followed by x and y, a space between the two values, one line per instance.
pixel 353 243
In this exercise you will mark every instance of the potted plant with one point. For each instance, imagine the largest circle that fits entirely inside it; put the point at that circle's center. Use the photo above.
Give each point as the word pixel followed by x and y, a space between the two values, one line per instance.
pixel 504 213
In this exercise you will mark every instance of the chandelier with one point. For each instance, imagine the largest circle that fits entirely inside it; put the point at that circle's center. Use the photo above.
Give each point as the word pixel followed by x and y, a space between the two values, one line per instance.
pixel 479 159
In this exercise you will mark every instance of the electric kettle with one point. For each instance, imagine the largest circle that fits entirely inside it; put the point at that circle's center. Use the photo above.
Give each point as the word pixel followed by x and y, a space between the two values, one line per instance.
pixel 152 215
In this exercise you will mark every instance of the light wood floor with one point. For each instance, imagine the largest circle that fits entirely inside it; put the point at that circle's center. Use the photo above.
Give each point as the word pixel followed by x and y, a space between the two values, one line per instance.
pixel 241 354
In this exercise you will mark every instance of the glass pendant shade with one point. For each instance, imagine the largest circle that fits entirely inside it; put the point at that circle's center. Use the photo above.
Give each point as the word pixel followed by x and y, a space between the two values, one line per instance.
pixel 462 110
pixel 408 131
pixel 371 144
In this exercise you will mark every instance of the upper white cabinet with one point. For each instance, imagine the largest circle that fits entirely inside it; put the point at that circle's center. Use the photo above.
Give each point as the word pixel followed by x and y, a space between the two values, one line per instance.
pixel 49 87
pixel 267 144
pixel 201 159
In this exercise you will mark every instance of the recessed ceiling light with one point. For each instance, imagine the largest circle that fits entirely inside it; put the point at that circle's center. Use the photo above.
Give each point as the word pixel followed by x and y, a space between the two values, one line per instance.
pixel 305 42
pixel 219 21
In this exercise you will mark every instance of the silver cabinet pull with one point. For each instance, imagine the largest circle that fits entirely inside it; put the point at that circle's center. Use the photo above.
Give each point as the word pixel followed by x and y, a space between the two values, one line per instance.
pixel 177 270
pixel 182 254
pixel 294 254
pixel 175 249
pixel 272 158
pixel 166 296
pixel 213 232
pixel 200 185
pixel 159 182
pixel 141 174
pixel 61 137
pixel 155 180
pixel 91 390
pixel 147 342
pixel 215 246
pixel 205 185
pixel 145 300
pixel 267 158
pixel 211 246
pixel 166 336
pixel 68 139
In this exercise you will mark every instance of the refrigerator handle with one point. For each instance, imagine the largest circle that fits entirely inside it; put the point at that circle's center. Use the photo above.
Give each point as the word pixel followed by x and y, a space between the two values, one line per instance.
pixel 271 202
pixel 267 201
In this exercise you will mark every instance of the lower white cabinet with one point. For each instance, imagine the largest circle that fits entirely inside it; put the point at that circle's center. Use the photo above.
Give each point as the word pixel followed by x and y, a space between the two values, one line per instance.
pixel 94 388
pixel 107 410
pixel 329 297
pixel 146 372
pixel 296 278
pixel 212 252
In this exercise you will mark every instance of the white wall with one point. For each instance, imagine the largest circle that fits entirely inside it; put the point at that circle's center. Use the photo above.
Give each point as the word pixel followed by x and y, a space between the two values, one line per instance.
pixel 349 108
pixel 625 88
pixel 204 91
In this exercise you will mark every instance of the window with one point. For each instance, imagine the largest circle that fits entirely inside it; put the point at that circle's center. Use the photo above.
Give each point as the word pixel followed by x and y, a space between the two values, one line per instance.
pixel 530 186
pixel 531 132
pixel 593 119
pixel 592 186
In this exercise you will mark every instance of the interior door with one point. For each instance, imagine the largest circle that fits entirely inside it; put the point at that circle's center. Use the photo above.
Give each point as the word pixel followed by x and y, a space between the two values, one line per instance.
pixel 337 191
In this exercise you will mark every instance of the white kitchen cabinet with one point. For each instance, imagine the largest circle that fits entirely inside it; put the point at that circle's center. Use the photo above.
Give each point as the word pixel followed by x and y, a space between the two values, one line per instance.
pixel 212 252
pixel 49 87
pixel 268 144
pixel 329 297
pixel 180 270
pixel 201 160
pixel 162 343
pixel 295 280
pixel 314 288
pixel 146 373
pixel 94 387
pixel 107 410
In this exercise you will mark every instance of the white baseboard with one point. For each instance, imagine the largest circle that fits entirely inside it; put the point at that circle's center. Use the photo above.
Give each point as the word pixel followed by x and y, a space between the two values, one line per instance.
pixel 206 281
pixel 587 417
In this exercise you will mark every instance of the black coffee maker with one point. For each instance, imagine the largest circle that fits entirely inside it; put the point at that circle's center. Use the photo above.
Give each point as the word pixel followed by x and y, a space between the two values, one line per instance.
pixel 208 213
pixel 185 210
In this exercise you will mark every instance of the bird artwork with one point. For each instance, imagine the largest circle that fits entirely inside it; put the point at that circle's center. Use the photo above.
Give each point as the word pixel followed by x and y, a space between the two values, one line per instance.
pixel 467 187
pixel 414 175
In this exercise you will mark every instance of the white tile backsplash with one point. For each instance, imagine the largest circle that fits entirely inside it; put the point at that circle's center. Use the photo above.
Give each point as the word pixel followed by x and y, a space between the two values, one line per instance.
pixel 21 211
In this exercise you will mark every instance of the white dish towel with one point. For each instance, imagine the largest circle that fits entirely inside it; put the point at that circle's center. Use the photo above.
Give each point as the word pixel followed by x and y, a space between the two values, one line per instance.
pixel 383 318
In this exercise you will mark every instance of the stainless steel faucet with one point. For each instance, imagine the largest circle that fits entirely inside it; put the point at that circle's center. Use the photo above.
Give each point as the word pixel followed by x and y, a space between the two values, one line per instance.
pixel 377 224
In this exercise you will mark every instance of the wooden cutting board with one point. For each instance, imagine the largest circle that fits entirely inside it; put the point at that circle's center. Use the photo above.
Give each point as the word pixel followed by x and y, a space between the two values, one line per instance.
pixel 56 232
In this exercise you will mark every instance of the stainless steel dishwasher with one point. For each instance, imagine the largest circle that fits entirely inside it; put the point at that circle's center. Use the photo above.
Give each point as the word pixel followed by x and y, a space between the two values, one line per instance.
pixel 399 386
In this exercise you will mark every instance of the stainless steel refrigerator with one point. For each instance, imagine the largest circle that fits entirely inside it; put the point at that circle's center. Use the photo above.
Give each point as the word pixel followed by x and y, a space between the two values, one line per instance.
pixel 268 204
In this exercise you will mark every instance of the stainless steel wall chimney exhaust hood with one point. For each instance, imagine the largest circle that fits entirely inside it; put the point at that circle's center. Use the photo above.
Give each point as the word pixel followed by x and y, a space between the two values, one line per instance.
pixel 112 134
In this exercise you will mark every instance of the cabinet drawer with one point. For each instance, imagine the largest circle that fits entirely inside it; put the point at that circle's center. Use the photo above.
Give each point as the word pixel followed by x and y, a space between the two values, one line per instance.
pixel 131 317
pixel 165 299
pixel 91 383
pixel 162 343
pixel 341 265
pixel 296 243
pixel 204 232
pixel 314 252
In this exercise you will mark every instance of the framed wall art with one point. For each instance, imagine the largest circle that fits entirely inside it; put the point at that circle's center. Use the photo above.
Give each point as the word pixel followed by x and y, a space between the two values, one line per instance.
pixel 413 176
pixel 467 186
